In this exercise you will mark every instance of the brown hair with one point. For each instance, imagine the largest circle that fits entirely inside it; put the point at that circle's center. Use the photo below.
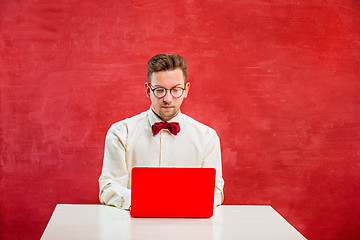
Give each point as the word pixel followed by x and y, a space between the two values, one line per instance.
pixel 166 62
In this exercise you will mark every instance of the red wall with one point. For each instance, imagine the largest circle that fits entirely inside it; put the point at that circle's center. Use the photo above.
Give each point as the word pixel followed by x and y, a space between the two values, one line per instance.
pixel 278 80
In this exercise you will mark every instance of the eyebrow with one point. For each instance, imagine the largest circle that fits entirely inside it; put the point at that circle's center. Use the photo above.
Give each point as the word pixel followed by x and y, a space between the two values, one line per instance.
pixel 158 86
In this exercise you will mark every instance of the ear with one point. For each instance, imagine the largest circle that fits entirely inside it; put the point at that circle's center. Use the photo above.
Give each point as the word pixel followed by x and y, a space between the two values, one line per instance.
pixel 147 88
pixel 187 87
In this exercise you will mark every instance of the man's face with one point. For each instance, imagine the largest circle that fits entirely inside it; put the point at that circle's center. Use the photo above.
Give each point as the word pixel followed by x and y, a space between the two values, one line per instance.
pixel 167 107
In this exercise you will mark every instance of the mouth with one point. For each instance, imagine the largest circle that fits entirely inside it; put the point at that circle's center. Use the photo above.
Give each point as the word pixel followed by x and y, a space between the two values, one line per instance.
pixel 167 107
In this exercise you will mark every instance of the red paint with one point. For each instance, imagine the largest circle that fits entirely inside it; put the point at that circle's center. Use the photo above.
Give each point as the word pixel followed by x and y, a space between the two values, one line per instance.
pixel 278 80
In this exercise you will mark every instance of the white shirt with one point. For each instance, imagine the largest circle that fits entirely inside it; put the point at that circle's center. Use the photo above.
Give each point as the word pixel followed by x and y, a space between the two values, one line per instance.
pixel 131 143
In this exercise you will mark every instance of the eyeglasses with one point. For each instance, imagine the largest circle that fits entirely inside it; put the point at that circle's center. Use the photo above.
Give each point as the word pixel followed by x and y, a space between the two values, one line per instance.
pixel 160 92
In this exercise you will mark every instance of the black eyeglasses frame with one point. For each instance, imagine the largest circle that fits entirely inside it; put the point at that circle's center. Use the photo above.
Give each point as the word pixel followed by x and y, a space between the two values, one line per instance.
pixel 153 89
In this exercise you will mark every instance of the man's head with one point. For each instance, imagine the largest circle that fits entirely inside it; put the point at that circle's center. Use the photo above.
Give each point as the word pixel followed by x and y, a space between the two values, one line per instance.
pixel 166 62
pixel 166 86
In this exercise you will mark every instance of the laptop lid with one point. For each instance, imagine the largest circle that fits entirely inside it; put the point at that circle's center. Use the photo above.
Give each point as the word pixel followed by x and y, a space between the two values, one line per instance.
pixel 172 192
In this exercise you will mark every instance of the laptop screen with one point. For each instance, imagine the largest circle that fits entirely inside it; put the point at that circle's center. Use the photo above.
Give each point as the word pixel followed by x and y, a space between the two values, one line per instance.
pixel 172 192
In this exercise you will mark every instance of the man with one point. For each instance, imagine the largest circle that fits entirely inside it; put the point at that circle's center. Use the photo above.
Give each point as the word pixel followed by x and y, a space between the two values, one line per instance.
pixel 159 137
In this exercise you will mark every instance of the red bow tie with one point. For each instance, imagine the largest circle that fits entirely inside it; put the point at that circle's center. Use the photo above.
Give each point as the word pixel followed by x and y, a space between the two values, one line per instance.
pixel 173 127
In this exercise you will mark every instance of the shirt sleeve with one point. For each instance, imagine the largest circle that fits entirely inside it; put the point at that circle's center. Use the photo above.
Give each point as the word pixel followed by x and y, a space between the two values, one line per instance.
pixel 114 178
pixel 212 159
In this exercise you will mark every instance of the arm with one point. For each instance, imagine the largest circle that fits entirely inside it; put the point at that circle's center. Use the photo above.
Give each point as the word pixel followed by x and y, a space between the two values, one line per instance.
pixel 212 158
pixel 114 178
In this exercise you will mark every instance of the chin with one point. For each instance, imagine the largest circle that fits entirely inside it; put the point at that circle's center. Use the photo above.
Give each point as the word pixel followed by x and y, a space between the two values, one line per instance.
pixel 167 115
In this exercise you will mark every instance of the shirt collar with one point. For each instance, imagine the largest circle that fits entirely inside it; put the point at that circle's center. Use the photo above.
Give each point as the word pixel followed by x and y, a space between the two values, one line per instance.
pixel 153 118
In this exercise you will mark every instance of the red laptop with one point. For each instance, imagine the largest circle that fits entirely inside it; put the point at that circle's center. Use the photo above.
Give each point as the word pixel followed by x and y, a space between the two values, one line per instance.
pixel 172 192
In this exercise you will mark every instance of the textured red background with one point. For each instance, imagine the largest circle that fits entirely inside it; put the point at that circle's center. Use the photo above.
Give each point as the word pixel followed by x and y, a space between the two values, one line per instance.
pixel 278 80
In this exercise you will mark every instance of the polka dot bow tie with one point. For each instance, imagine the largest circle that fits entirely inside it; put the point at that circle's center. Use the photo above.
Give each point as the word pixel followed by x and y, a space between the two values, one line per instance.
pixel 173 127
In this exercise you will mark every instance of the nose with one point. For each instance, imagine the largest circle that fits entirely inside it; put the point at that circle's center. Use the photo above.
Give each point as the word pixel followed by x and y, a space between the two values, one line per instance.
pixel 168 96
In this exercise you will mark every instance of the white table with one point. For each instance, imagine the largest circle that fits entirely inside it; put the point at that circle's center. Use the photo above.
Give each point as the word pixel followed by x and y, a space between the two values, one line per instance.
pixel 87 222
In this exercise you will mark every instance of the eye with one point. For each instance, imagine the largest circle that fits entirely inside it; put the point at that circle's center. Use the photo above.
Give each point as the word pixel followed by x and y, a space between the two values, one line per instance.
pixel 176 90
pixel 159 91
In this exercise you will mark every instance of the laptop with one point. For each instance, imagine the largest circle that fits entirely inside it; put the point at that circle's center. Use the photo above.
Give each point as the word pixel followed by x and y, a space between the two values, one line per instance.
pixel 172 192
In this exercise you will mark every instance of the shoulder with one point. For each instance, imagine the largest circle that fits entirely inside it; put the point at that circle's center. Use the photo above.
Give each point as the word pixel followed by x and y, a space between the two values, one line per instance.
pixel 198 126
pixel 130 123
